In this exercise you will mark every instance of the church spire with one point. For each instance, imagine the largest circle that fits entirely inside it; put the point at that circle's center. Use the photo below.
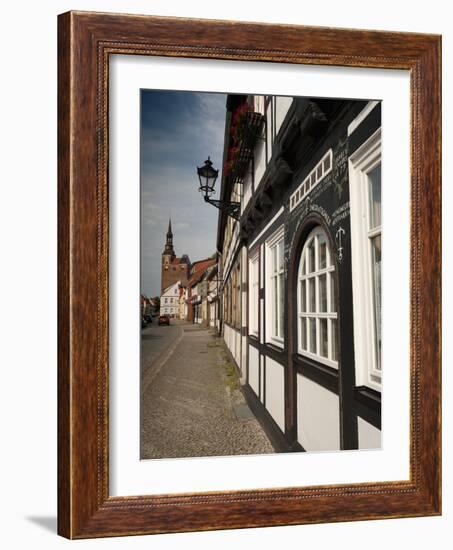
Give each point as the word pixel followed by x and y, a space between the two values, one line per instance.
pixel 169 250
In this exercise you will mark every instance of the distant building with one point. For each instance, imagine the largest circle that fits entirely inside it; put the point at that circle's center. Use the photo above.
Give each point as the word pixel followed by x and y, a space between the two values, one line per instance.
pixel 174 268
pixel 183 303
pixel 197 291
pixel 148 306
pixel 169 300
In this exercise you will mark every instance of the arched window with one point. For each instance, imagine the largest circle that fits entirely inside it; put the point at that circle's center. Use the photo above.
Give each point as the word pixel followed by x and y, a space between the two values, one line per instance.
pixel 316 302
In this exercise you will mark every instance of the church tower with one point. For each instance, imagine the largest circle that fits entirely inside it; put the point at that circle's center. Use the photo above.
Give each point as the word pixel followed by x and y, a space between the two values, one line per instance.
pixel 173 268
pixel 169 250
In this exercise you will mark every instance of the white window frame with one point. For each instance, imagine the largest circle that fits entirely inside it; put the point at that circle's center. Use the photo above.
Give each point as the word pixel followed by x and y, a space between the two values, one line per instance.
pixel 254 267
pixel 277 239
pixel 361 162
pixel 332 310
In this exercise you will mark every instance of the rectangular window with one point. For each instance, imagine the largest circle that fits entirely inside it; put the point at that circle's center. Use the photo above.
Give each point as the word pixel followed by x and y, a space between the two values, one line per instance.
pixel 275 288
pixel 374 239
pixel 254 265
pixel 237 289
pixel 366 247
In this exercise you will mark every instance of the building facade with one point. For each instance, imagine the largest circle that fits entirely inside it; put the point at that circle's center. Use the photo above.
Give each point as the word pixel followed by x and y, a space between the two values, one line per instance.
pixel 301 267
pixel 197 291
pixel 169 300
pixel 183 308
pixel 213 298
pixel 149 306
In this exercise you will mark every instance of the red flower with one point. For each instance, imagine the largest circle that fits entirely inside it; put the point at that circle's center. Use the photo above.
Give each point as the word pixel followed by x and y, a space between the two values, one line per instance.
pixel 238 120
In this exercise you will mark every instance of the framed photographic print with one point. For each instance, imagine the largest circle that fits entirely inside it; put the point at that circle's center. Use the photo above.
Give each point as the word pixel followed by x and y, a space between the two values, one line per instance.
pixel 233 350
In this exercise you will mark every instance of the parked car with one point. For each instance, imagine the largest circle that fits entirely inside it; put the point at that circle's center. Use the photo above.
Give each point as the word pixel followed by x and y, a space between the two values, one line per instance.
pixel 164 320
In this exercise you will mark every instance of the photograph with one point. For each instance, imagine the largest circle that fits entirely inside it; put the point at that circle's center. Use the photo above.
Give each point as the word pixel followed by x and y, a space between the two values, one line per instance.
pixel 260 274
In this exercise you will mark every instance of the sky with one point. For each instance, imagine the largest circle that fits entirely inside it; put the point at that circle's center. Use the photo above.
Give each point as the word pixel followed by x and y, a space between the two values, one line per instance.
pixel 179 130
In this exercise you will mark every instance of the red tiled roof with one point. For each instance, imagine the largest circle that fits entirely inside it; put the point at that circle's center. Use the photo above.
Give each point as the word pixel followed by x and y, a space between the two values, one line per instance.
pixel 203 264
pixel 198 274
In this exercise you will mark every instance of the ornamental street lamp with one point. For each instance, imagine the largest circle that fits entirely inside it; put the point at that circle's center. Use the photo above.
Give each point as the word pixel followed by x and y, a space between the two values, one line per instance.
pixel 208 176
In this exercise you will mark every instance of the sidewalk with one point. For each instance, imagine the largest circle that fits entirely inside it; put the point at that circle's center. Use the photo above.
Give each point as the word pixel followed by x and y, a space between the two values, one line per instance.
pixel 194 407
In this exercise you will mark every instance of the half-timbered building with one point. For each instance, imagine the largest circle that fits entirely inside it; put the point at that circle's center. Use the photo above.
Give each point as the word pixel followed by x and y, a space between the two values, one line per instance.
pixel 301 267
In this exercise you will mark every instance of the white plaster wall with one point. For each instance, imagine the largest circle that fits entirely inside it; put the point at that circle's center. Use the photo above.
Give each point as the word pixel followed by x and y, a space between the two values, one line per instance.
pixel 262 379
pixel 281 108
pixel 232 339
pixel 269 130
pixel 247 191
pixel 260 162
pixel 369 436
pixel 227 336
pixel 237 348
pixel 254 359
pixel 275 387
pixel 258 104
pixel 244 359
pixel 318 416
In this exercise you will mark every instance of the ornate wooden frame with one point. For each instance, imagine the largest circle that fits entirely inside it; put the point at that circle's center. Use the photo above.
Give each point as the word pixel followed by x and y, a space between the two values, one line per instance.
pixel 85 41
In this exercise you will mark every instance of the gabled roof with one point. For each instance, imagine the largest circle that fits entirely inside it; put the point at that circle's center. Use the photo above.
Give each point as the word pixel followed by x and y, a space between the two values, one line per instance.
pixel 200 273
pixel 203 264
pixel 178 283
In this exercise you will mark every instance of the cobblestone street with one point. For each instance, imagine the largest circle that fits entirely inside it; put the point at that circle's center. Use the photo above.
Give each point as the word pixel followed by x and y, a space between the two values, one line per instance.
pixel 191 401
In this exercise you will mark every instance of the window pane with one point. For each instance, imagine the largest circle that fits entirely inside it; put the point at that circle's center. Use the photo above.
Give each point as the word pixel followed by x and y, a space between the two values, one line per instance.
pixel 303 296
pixel 256 306
pixel 319 172
pixel 281 309
pixel 326 163
pixel 374 178
pixel 311 294
pixel 303 263
pixel 280 256
pixel 311 256
pixel 323 350
pixel 376 248
pixel 334 334
pixel 312 330
pixel 322 252
pixel 274 259
pixel 333 307
pixel 274 285
pixel 322 293
pixel 303 333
